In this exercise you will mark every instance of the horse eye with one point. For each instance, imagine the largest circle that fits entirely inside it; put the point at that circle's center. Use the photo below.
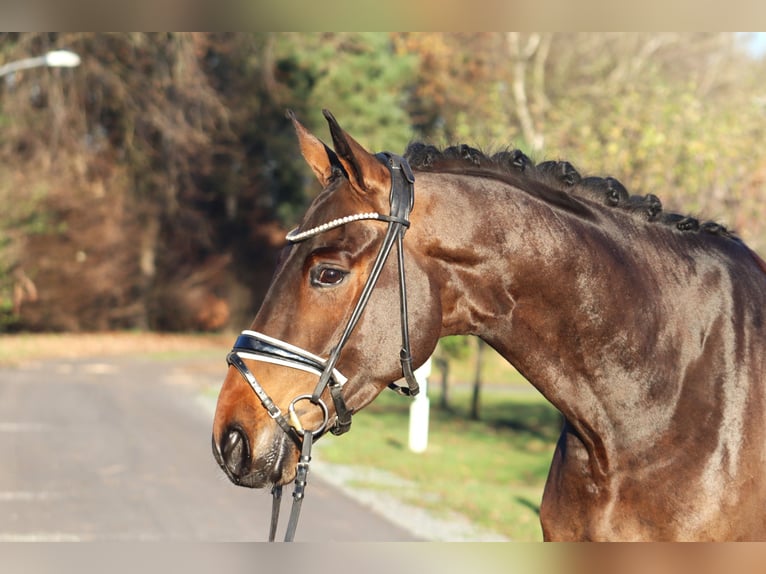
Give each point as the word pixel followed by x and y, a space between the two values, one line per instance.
pixel 327 276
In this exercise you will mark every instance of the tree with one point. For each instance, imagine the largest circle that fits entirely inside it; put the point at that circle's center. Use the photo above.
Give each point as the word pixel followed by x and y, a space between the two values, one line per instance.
pixel 164 171
pixel 670 114
pixel 355 75
pixel 459 87
pixel 477 380
pixel 449 348
pixel 532 55
pixel 116 148
pixel 156 180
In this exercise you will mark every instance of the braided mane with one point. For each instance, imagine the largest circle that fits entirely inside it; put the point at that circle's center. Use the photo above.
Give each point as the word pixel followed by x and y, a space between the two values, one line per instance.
pixel 517 169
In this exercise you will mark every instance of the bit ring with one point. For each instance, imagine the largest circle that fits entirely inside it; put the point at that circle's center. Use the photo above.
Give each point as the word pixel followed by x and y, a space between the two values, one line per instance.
pixel 295 421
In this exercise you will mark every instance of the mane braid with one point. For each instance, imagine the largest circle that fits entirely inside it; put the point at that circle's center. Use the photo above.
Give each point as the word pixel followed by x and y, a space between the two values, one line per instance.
pixel 557 182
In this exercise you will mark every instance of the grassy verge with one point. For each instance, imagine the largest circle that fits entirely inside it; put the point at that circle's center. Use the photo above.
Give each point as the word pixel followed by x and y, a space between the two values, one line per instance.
pixel 18 349
pixel 495 370
pixel 492 471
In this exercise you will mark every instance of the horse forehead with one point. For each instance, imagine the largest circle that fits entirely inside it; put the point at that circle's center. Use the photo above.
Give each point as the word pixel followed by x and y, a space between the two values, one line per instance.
pixel 335 200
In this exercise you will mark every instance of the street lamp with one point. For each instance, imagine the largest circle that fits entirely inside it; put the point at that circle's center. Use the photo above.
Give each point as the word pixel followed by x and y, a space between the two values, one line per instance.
pixel 54 59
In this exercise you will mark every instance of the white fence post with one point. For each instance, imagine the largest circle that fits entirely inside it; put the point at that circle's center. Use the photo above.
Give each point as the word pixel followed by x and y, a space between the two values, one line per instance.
pixel 419 411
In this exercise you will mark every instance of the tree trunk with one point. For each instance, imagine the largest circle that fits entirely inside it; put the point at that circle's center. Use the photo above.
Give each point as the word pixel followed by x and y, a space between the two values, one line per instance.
pixel 474 415
pixel 443 365
pixel 147 265
pixel 521 58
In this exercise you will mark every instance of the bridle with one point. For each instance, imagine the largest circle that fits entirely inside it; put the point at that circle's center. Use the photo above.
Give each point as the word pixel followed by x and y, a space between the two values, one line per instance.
pixel 259 347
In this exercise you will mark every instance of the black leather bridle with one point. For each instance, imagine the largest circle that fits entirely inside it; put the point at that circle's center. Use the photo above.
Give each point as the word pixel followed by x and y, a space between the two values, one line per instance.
pixel 256 346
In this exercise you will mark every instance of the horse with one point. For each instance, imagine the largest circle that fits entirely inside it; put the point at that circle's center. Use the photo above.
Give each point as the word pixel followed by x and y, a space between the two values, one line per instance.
pixel 644 328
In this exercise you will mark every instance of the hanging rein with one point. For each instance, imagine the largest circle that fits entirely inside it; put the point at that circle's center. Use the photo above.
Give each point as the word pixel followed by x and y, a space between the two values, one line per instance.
pixel 256 346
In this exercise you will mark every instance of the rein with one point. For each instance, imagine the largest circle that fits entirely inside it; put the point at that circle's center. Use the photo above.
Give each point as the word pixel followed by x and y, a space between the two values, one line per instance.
pixel 256 346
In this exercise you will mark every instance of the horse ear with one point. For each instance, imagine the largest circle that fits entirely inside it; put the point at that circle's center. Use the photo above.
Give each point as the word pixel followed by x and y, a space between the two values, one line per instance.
pixel 364 171
pixel 320 158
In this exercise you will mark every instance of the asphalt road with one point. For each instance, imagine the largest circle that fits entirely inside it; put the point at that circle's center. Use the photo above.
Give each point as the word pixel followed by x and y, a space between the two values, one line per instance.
pixel 119 449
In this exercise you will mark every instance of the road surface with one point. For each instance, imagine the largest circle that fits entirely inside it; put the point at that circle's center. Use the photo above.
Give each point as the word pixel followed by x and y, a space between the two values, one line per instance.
pixel 119 449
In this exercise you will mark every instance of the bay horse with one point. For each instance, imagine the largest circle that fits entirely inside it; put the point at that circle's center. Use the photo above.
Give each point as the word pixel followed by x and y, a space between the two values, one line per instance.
pixel 644 328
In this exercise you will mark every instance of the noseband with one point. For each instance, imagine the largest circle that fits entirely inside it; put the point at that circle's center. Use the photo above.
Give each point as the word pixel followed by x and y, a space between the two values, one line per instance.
pixel 256 346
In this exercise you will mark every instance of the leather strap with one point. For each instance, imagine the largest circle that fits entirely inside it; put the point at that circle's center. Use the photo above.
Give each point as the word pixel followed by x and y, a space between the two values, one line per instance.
pixel 274 411
pixel 402 200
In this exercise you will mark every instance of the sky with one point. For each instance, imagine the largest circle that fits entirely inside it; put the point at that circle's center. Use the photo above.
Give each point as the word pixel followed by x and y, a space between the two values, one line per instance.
pixel 757 43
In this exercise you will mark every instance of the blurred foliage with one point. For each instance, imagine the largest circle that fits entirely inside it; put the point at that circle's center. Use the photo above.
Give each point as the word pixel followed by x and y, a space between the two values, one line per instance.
pixel 455 346
pixel 356 76
pixel 151 186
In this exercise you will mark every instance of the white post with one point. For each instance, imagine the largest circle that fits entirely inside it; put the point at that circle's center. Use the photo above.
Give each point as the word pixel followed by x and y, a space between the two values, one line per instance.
pixel 419 410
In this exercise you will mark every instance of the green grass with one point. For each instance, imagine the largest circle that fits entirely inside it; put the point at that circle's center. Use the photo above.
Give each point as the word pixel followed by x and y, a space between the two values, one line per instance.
pixel 495 370
pixel 491 471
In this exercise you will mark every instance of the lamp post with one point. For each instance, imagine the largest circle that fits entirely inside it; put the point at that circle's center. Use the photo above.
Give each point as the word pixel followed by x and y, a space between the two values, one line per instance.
pixel 54 59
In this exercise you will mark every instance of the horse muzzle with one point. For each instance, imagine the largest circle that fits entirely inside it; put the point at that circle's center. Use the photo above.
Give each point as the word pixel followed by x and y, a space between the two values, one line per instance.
pixel 233 451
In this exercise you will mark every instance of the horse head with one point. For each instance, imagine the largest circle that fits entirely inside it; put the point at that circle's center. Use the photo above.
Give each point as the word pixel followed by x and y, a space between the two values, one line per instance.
pixel 333 329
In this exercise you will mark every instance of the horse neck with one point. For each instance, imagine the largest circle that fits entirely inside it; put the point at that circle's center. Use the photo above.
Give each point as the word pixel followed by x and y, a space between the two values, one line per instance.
pixel 558 295
pixel 498 249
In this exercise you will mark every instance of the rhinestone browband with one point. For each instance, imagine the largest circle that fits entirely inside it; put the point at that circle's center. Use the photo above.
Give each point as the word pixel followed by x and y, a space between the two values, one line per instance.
pixel 296 236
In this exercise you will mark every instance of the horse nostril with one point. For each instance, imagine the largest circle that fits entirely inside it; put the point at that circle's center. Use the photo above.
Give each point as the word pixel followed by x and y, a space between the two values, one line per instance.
pixel 234 451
